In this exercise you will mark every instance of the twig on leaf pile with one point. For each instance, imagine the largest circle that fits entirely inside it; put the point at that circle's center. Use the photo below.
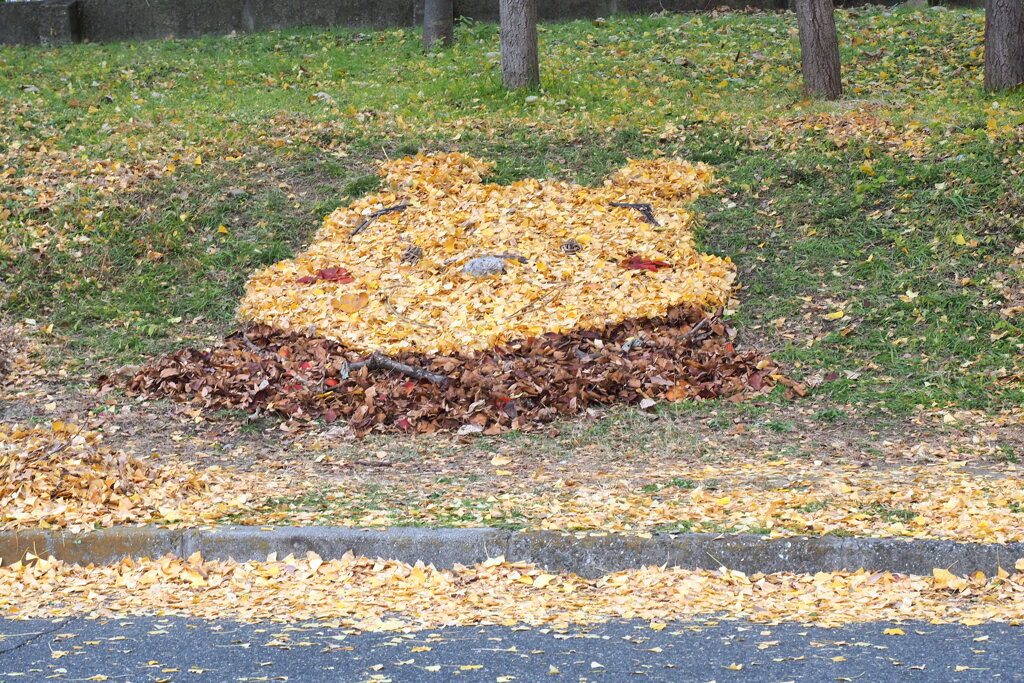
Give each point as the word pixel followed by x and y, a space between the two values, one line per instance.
pixel 394 312
pixel 379 361
pixel 702 324
pixel 646 210
pixel 696 328
pixel 546 298
pixel 375 215
pixel 373 463
pixel 262 353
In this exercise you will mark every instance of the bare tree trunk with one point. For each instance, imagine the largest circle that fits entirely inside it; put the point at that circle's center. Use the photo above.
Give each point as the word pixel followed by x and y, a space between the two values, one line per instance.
pixel 519 62
pixel 438 23
pixel 819 48
pixel 1004 44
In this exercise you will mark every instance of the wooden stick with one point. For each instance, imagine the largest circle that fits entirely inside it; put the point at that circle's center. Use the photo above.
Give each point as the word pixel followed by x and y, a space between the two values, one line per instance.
pixel 704 322
pixel 379 361
pixel 372 463
pixel 646 210
pixel 394 312
pixel 697 328
pixel 375 215
pixel 541 300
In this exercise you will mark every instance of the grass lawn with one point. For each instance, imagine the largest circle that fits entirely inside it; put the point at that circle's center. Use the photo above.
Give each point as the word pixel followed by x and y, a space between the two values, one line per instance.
pixel 879 239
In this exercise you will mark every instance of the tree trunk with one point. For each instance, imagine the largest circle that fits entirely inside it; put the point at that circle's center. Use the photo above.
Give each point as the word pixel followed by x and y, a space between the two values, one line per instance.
pixel 519 62
pixel 1004 44
pixel 819 48
pixel 438 23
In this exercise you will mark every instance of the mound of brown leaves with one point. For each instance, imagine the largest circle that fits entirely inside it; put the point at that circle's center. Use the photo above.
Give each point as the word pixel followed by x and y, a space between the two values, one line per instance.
pixel 679 356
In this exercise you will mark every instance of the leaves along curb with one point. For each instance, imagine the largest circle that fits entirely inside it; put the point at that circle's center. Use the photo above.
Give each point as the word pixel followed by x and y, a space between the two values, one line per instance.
pixel 587 555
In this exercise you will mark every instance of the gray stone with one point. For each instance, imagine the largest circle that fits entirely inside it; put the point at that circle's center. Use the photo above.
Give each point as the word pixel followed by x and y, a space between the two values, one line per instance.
pixel 597 555
pixel 441 547
pixel 58 22
pixel 484 266
pixel 105 546
pixel 588 555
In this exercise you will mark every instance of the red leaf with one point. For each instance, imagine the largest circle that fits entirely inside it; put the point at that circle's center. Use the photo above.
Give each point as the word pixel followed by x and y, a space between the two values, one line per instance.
pixel 335 275
pixel 640 263
pixel 403 423
pixel 331 382
pixel 330 416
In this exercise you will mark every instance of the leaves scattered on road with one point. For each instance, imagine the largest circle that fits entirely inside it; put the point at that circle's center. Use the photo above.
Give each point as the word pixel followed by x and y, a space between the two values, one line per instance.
pixel 384 595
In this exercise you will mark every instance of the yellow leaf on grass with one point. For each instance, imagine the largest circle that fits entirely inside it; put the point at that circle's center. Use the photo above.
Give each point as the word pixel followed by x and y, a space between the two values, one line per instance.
pixel 834 315
pixel 499 460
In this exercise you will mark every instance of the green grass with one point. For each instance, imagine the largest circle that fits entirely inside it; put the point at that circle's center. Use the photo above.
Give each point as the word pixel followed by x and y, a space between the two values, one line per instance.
pixel 812 507
pixel 916 249
pixel 891 513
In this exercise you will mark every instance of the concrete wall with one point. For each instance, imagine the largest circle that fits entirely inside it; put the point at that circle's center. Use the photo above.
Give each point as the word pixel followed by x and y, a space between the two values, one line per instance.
pixel 64 21
pixel 112 20
pixel 19 23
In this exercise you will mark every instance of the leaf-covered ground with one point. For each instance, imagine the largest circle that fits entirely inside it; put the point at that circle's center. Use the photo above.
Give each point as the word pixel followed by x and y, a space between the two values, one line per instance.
pixel 877 241
pixel 61 476
pixel 874 237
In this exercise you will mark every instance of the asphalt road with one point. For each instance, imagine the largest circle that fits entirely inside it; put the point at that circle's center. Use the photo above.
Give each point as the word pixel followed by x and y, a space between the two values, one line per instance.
pixel 171 649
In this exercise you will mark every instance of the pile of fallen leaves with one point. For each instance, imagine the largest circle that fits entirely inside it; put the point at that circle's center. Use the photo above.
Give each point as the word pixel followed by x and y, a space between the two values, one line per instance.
pixel 385 595
pixel 63 477
pixel 679 356
pixel 395 271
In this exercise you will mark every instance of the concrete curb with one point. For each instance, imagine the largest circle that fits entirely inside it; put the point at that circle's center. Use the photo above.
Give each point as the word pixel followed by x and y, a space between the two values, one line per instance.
pixel 588 555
